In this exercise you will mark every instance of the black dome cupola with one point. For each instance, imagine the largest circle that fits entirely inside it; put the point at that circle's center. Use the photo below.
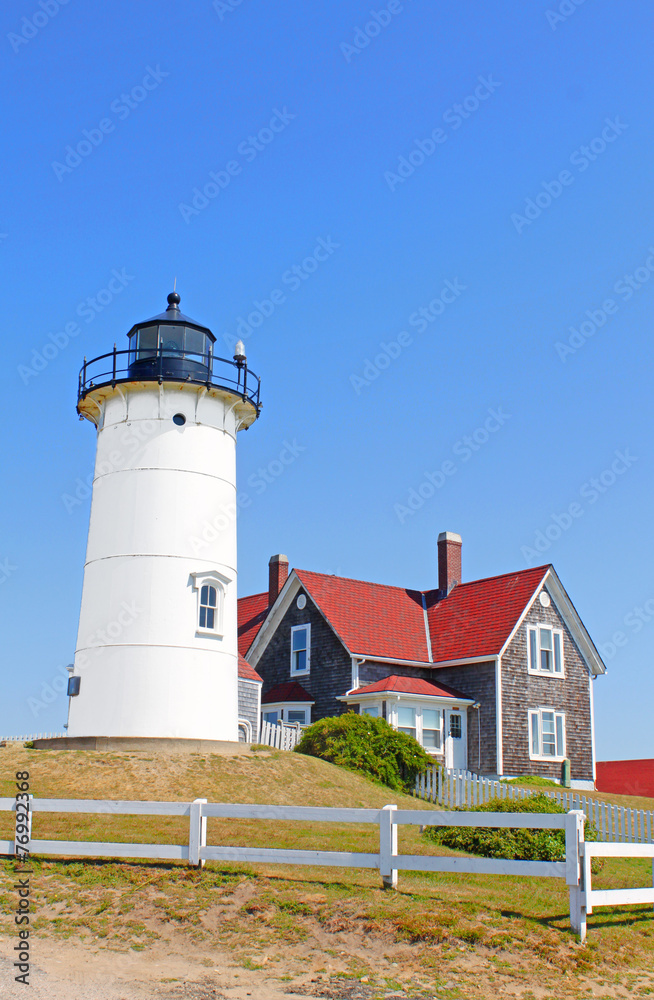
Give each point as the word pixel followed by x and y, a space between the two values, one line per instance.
pixel 171 345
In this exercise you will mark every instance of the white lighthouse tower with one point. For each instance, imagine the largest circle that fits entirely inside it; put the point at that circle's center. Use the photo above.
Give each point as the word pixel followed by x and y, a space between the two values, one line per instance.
pixel 157 644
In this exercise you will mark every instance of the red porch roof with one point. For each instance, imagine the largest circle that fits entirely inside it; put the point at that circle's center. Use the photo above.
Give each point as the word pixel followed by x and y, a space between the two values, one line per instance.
pixel 410 685
pixel 290 691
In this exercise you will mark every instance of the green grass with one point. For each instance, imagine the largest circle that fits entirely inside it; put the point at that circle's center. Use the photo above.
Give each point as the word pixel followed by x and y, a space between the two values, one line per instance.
pixel 518 928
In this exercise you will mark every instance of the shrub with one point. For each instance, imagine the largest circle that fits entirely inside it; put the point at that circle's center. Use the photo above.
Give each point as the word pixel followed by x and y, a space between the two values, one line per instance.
pixel 531 779
pixel 369 746
pixel 512 843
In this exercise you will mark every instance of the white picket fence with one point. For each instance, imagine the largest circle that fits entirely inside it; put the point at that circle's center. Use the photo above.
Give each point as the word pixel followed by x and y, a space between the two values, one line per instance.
pixel 463 788
pixel 28 739
pixel 280 736
pixel 386 860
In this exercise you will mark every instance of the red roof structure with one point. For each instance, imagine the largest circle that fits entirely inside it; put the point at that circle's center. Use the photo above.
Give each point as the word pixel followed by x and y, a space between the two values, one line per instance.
pixel 290 691
pixel 410 685
pixel 246 672
pixel 371 619
pixel 375 620
pixel 252 613
pixel 477 618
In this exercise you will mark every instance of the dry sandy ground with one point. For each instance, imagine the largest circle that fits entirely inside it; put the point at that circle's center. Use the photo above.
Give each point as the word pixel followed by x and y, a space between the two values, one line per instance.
pixel 83 970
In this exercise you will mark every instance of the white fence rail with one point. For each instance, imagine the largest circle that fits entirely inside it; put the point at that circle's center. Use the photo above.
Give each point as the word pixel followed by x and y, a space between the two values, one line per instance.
pixel 462 788
pixel 280 736
pixel 613 897
pixel 386 860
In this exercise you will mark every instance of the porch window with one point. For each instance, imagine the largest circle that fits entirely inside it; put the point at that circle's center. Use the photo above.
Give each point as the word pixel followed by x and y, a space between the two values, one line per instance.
pixel 406 720
pixel 372 710
pixel 431 728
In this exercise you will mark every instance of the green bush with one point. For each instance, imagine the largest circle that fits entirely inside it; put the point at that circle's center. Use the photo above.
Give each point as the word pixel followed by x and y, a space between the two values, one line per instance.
pixel 531 779
pixel 512 843
pixel 369 746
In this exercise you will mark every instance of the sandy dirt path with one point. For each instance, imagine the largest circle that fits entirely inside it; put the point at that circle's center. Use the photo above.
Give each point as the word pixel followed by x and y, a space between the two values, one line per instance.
pixel 80 970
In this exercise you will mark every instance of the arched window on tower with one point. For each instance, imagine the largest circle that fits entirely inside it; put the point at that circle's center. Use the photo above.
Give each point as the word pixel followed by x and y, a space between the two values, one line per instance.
pixel 210 600
pixel 208 607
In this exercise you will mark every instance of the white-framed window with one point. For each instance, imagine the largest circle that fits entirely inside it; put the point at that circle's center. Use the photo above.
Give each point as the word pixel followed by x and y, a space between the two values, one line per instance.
pixel 210 588
pixel 300 649
pixel 289 713
pixel 406 720
pixel 208 606
pixel 546 734
pixel 295 715
pixel 432 729
pixel 421 721
pixel 372 710
pixel 545 650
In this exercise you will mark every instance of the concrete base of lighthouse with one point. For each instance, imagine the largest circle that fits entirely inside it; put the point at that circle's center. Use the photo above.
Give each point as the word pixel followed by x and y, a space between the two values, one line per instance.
pixel 136 743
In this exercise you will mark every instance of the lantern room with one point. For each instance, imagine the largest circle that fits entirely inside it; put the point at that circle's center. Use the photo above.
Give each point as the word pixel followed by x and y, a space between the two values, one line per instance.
pixel 170 345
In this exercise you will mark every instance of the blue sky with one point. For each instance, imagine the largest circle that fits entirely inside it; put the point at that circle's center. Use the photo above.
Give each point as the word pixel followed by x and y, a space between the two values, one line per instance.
pixel 490 166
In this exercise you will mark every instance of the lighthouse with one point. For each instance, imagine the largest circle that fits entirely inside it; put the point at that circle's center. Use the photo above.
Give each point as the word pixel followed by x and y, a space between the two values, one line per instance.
pixel 156 651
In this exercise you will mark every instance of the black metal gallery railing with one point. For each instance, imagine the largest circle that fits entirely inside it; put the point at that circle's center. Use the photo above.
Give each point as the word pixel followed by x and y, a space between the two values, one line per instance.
pixel 169 365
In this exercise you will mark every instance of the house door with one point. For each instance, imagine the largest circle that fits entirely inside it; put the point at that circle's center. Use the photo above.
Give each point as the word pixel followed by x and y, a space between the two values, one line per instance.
pixel 456 739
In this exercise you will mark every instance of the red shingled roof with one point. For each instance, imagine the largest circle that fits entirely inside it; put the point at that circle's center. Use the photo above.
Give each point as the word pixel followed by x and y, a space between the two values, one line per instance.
pixel 247 672
pixel 252 612
pixel 477 618
pixel 373 619
pixel 410 685
pixel 290 691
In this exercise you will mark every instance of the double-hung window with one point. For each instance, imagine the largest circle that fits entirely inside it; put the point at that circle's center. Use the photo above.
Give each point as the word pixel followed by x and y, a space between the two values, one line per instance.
pixel 431 728
pixel 210 590
pixel 545 650
pixel 300 649
pixel 406 720
pixel 208 607
pixel 546 734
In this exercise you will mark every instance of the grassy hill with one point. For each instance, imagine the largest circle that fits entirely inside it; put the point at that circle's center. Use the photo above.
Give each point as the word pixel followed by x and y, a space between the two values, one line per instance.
pixel 515 929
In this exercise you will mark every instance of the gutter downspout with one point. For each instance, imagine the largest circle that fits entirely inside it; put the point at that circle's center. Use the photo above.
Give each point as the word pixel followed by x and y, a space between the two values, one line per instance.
pixel 356 663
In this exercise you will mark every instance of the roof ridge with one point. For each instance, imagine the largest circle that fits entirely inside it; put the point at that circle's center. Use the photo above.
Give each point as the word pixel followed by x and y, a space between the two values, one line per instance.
pixel 498 576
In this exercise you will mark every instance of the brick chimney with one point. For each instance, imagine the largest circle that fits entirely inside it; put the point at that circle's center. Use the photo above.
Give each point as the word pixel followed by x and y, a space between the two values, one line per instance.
pixel 277 576
pixel 449 561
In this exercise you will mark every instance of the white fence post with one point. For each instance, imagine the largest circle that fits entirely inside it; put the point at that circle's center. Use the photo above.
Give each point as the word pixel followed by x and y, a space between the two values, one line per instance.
pixel 574 857
pixel 388 846
pixel 197 836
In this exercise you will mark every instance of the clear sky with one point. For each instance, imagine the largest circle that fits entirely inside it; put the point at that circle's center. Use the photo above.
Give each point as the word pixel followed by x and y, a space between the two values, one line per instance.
pixel 477 180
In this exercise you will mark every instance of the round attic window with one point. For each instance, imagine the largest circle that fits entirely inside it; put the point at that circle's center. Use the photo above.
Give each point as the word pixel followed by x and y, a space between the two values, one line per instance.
pixel 544 599
pixel 301 602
